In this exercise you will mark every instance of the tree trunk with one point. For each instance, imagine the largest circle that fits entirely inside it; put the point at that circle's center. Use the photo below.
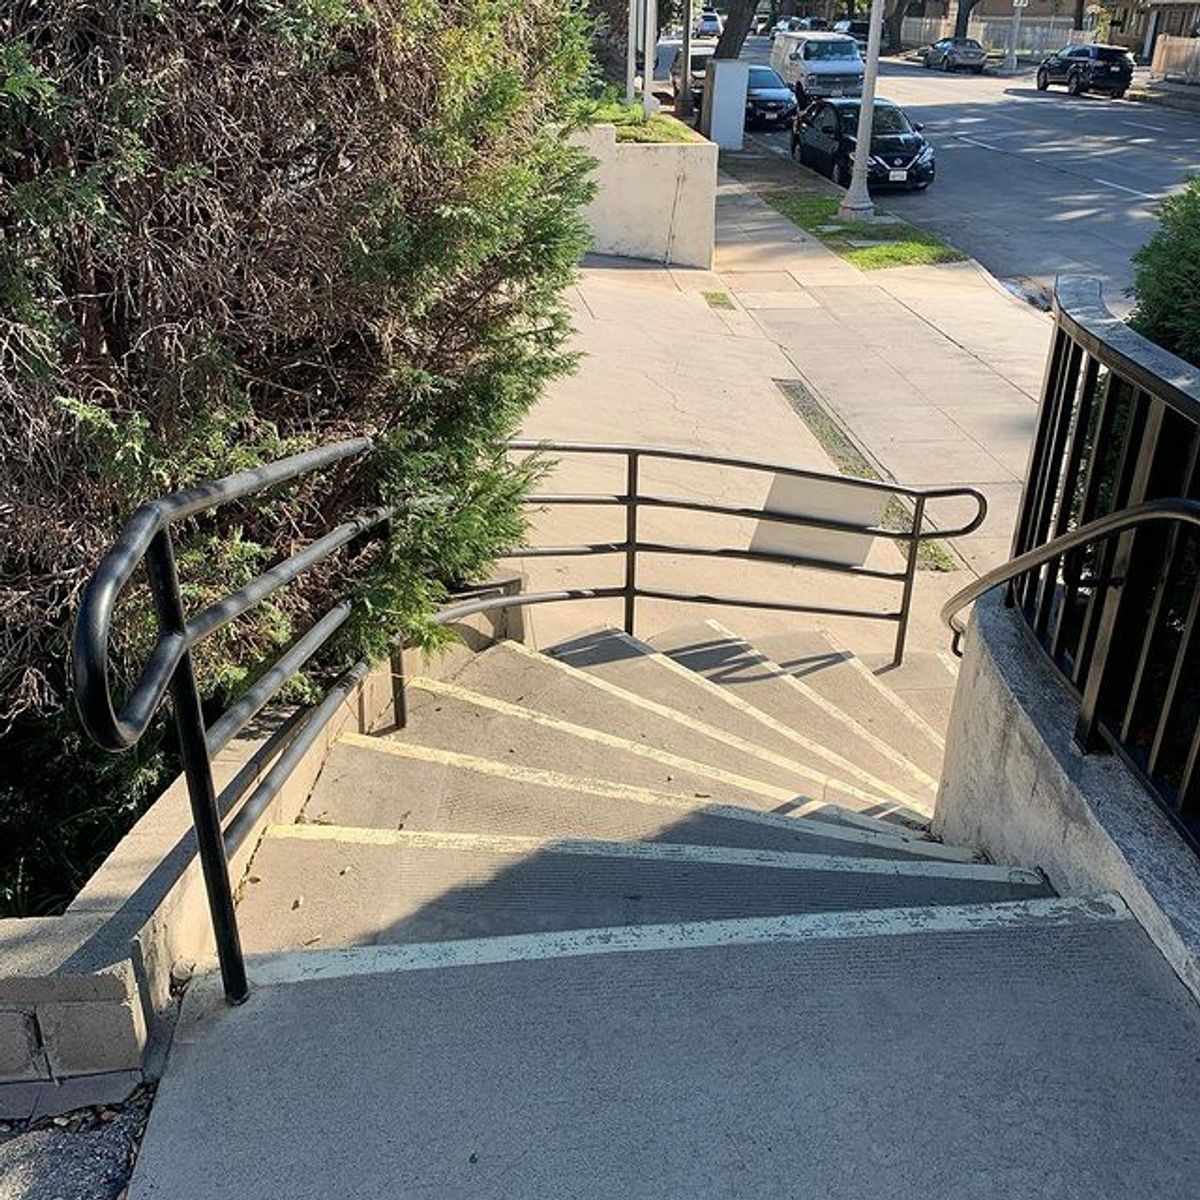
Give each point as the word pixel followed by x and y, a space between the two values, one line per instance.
pixel 893 25
pixel 1077 22
pixel 963 20
pixel 737 26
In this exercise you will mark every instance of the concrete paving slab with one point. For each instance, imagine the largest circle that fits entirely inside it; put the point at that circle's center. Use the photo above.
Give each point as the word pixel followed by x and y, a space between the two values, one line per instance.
pixel 948 1066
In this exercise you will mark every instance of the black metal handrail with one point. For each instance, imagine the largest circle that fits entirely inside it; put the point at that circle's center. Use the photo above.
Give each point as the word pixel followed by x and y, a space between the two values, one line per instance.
pixel 633 500
pixel 1117 613
pixel 1177 509
pixel 147 539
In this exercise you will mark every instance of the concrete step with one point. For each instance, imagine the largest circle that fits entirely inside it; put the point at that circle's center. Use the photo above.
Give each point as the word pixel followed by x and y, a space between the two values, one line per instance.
pixel 365 784
pixel 336 886
pixel 925 681
pixel 641 712
pixel 824 741
pixel 740 669
pixel 859 686
pixel 1000 1052
pixel 554 743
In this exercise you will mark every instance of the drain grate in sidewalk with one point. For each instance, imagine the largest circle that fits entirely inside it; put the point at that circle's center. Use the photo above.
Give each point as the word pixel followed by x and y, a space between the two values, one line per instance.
pixel 850 460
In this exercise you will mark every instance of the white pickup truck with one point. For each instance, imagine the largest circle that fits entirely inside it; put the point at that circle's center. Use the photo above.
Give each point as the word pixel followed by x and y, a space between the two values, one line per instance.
pixel 818 64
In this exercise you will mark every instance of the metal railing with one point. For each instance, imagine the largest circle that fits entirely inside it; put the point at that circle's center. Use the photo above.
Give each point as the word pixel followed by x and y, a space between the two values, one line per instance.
pixel 633 499
pixel 147 539
pixel 1106 561
pixel 223 820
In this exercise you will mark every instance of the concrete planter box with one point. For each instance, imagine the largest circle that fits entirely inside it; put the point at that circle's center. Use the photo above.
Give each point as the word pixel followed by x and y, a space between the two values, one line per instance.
pixel 653 201
pixel 86 997
pixel 1015 784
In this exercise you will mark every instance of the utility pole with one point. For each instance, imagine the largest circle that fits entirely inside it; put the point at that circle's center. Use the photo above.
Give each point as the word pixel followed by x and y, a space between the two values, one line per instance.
pixel 649 58
pixel 683 103
pixel 1014 32
pixel 856 203
pixel 631 37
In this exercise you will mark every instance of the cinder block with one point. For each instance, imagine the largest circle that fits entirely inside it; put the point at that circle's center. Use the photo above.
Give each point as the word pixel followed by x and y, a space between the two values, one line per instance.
pixel 21 1057
pixel 85 1039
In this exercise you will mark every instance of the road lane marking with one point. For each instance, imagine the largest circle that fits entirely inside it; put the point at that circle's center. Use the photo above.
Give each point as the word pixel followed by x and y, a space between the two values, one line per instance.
pixel 1122 188
pixel 982 145
pixel 1143 125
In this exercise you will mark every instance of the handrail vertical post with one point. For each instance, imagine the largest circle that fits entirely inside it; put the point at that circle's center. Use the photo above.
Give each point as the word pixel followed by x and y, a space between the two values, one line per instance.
pixel 910 576
pixel 631 537
pixel 193 750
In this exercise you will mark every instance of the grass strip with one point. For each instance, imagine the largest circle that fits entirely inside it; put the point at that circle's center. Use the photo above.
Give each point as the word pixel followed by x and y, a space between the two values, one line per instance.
pixel 932 555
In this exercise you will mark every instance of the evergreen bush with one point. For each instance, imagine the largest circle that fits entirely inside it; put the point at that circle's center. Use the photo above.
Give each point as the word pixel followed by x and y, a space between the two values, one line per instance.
pixel 1167 277
pixel 233 229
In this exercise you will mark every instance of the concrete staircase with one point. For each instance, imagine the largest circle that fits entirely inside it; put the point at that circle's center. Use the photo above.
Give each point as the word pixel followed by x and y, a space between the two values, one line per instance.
pixel 665 919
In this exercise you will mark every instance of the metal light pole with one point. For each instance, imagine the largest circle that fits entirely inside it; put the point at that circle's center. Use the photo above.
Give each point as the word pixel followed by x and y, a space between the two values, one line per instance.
pixel 1014 33
pixel 856 203
pixel 683 104
pixel 631 54
pixel 649 58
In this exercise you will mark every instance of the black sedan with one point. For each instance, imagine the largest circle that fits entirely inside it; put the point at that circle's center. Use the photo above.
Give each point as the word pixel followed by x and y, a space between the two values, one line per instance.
pixel 769 101
pixel 824 136
pixel 1093 68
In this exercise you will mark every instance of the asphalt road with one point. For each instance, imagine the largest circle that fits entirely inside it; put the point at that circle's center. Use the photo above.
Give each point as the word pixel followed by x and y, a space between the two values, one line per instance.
pixel 1035 184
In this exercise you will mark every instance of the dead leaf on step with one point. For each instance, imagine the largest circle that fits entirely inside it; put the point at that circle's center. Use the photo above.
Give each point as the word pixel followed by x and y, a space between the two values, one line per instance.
pixel 297 903
pixel 702 795
pixel 312 941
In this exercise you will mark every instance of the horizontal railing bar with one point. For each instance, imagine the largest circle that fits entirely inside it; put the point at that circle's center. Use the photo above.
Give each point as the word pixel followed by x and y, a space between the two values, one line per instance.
pixel 773 605
pixel 523 600
pixel 316 719
pixel 212 618
pixel 785 560
pixel 580 551
pixel 254 765
pixel 671 454
pixel 239 715
pixel 757 514
pixel 1167 509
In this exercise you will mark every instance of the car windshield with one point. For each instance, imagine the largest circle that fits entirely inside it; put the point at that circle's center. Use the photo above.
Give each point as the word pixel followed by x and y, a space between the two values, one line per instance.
pixel 764 77
pixel 834 48
pixel 1110 54
pixel 888 119
pixel 967 44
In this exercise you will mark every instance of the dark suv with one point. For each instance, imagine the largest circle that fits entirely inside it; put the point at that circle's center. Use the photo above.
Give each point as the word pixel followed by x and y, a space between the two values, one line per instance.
pixel 1088 69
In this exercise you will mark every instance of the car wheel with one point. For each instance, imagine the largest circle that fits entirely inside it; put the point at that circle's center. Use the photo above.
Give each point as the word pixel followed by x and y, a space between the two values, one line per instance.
pixel 1043 81
pixel 838 175
pixel 945 62
pixel 977 70
pixel 1119 95
pixel 925 61
pixel 1075 84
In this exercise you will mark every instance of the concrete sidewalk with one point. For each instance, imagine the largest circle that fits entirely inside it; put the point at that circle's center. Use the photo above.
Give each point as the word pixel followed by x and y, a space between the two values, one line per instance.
pixel 933 371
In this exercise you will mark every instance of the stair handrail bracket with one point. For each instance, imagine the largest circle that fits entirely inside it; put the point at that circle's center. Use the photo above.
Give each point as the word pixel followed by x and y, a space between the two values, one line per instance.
pixel 634 500
pixel 146 539
pixel 1103 569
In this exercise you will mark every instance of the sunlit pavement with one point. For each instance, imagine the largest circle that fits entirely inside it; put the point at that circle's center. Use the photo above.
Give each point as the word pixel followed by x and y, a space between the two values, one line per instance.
pixel 1035 184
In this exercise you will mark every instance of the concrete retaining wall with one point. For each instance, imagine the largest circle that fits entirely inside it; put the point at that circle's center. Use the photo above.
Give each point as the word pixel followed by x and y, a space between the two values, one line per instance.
pixel 85 996
pixel 1015 784
pixel 653 201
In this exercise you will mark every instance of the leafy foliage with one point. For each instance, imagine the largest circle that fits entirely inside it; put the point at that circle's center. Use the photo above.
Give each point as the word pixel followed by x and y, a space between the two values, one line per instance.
pixel 1166 283
pixel 232 229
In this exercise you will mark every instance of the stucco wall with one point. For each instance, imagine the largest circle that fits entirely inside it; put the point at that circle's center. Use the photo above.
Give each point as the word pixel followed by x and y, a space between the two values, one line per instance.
pixel 1015 784
pixel 653 201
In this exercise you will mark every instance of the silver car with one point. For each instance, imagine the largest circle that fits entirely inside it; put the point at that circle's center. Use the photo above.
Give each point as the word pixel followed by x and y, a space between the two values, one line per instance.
pixel 956 54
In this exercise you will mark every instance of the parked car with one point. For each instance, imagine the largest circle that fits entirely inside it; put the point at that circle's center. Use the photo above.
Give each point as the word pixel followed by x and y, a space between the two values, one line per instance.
pixel 1094 68
pixel 762 24
pixel 956 54
pixel 814 23
pixel 708 25
pixel 787 25
pixel 700 57
pixel 860 31
pixel 769 101
pixel 818 64
pixel 825 134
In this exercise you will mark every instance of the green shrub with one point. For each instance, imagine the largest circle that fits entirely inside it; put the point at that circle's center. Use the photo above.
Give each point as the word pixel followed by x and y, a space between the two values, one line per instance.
pixel 229 230
pixel 1167 277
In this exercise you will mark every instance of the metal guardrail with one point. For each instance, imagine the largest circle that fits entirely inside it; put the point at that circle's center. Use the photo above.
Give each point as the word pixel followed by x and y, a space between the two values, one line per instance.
pixel 634 500
pixel 1106 563
pixel 147 539
pixel 222 821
